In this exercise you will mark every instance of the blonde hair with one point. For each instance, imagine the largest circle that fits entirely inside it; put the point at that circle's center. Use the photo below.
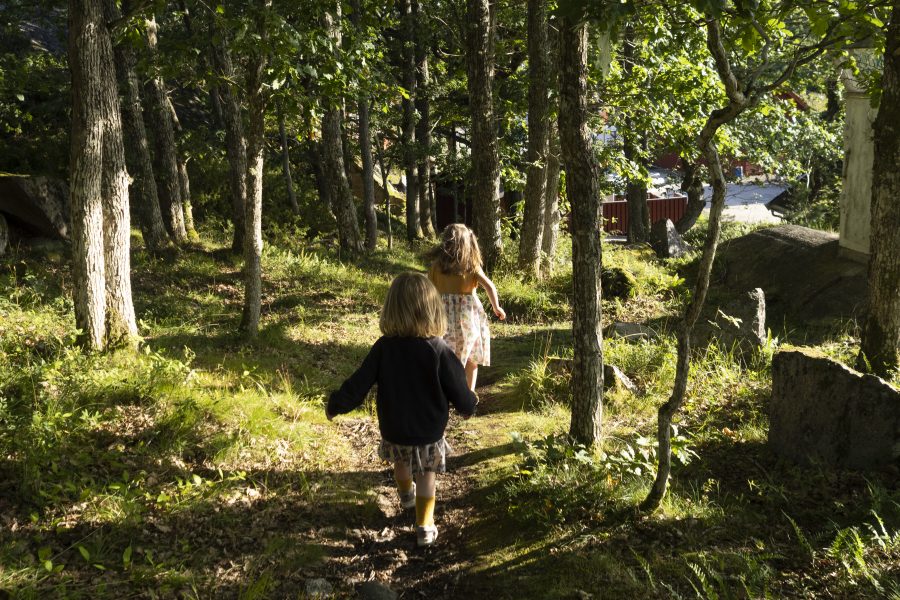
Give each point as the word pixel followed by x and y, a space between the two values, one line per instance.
pixel 413 308
pixel 458 253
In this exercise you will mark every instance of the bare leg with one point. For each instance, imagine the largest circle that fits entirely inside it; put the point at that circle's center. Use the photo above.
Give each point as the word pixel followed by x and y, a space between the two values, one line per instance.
pixel 402 475
pixel 471 374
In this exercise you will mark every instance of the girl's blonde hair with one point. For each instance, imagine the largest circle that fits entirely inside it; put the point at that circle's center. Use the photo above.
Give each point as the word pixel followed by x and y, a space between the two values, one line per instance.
pixel 458 253
pixel 413 308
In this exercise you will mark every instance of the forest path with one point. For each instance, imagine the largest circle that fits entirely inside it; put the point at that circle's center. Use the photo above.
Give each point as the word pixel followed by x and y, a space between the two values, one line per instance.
pixel 385 550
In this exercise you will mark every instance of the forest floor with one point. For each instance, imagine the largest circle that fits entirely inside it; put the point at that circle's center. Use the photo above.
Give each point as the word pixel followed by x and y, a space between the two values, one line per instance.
pixel 204 466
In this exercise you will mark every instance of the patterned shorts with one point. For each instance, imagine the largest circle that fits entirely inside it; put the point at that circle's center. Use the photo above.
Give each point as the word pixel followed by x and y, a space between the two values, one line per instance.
pixel 421 459
pixel 467 328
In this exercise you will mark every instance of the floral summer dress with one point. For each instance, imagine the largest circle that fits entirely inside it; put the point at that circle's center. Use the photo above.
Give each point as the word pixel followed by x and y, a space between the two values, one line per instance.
pixel 467 323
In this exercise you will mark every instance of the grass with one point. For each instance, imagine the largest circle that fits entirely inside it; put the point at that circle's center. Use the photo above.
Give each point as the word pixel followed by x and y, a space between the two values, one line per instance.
pixel 203 466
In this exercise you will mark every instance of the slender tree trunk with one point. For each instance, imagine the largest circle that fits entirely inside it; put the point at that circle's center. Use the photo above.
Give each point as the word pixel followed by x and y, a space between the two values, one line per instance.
pixel 166 171
pixel 333 159
pixel 235 144
pixel 286 162
pixel 387 195
pixel 314 155
pixel 87 27
pixel 423 126
pixel 368 175
pixel 538 141
pixel 551 205
pixel 583 190
pixel 185 181
pixel 149 214
pixel 454 184
pixel 880 342
pixel 256 130
pixel 365 144
pixel 485 159
pixel 738 101
pixel 408 129
pixel 691 185
pixel 635 190
pixel 121 324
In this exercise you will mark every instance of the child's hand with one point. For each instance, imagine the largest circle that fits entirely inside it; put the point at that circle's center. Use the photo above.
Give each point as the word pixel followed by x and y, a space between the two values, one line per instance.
pixel 501 314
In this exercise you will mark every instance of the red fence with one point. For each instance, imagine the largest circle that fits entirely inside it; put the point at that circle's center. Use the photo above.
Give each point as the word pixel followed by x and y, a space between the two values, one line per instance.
pixel 615 212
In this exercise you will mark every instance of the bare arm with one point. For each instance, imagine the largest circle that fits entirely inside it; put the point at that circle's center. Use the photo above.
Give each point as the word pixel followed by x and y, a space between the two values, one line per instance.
pixel 491 290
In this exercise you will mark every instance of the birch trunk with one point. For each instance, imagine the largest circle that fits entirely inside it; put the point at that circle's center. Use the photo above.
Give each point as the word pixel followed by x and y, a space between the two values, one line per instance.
pixel 387 196
pixel 583 190
pixel 551 205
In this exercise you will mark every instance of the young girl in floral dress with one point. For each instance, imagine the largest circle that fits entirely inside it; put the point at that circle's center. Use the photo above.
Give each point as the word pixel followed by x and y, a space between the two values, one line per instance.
pixel 456 273
pixel 419 377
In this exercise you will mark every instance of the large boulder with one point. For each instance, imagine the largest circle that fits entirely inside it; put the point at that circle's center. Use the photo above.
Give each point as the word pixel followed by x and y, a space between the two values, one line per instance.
pixel 631 332
pixel 824 412
pixel 666 241
pixel 39 205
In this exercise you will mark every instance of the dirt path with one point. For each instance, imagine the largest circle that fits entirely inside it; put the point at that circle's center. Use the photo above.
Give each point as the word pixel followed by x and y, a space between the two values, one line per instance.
pixel 385 551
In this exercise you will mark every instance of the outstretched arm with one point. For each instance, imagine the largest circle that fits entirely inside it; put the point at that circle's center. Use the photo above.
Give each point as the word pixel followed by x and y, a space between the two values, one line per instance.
pixel 353 391
pixel 491 289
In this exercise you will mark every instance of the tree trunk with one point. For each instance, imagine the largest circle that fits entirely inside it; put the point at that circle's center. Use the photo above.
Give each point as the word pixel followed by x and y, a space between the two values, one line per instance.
pixel 333 159
pixel 423 126
pixel 235 144
pixel 365 145
pixel 87 27
pixel 635 190
pixel 551 205
pixel 738 101
pixel 583 190
pixel 532 235
pixel 121 324
pixel 256 130
pixel 880 342
pixel 485 160
pixel 691 185
pixel 314 155
pixel 185 188
pixel 148 211
pixel 368 175
pixel 454 185
pixel 408 128
pixel 166 171
pixel 387 195
pixel 286 162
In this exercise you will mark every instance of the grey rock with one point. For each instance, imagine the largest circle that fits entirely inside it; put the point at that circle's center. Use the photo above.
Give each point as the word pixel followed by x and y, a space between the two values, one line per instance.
pixel 318 588
pixel 824 412
pixel 559 366
pixel 632 332
pixel 741 323
pixel 666 241
pixel 4 235
pixel 41 203
pixel 614 378
pixel 372 590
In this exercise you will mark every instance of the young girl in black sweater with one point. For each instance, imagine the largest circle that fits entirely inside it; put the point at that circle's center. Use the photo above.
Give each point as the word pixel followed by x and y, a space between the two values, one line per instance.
pixel 418 378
